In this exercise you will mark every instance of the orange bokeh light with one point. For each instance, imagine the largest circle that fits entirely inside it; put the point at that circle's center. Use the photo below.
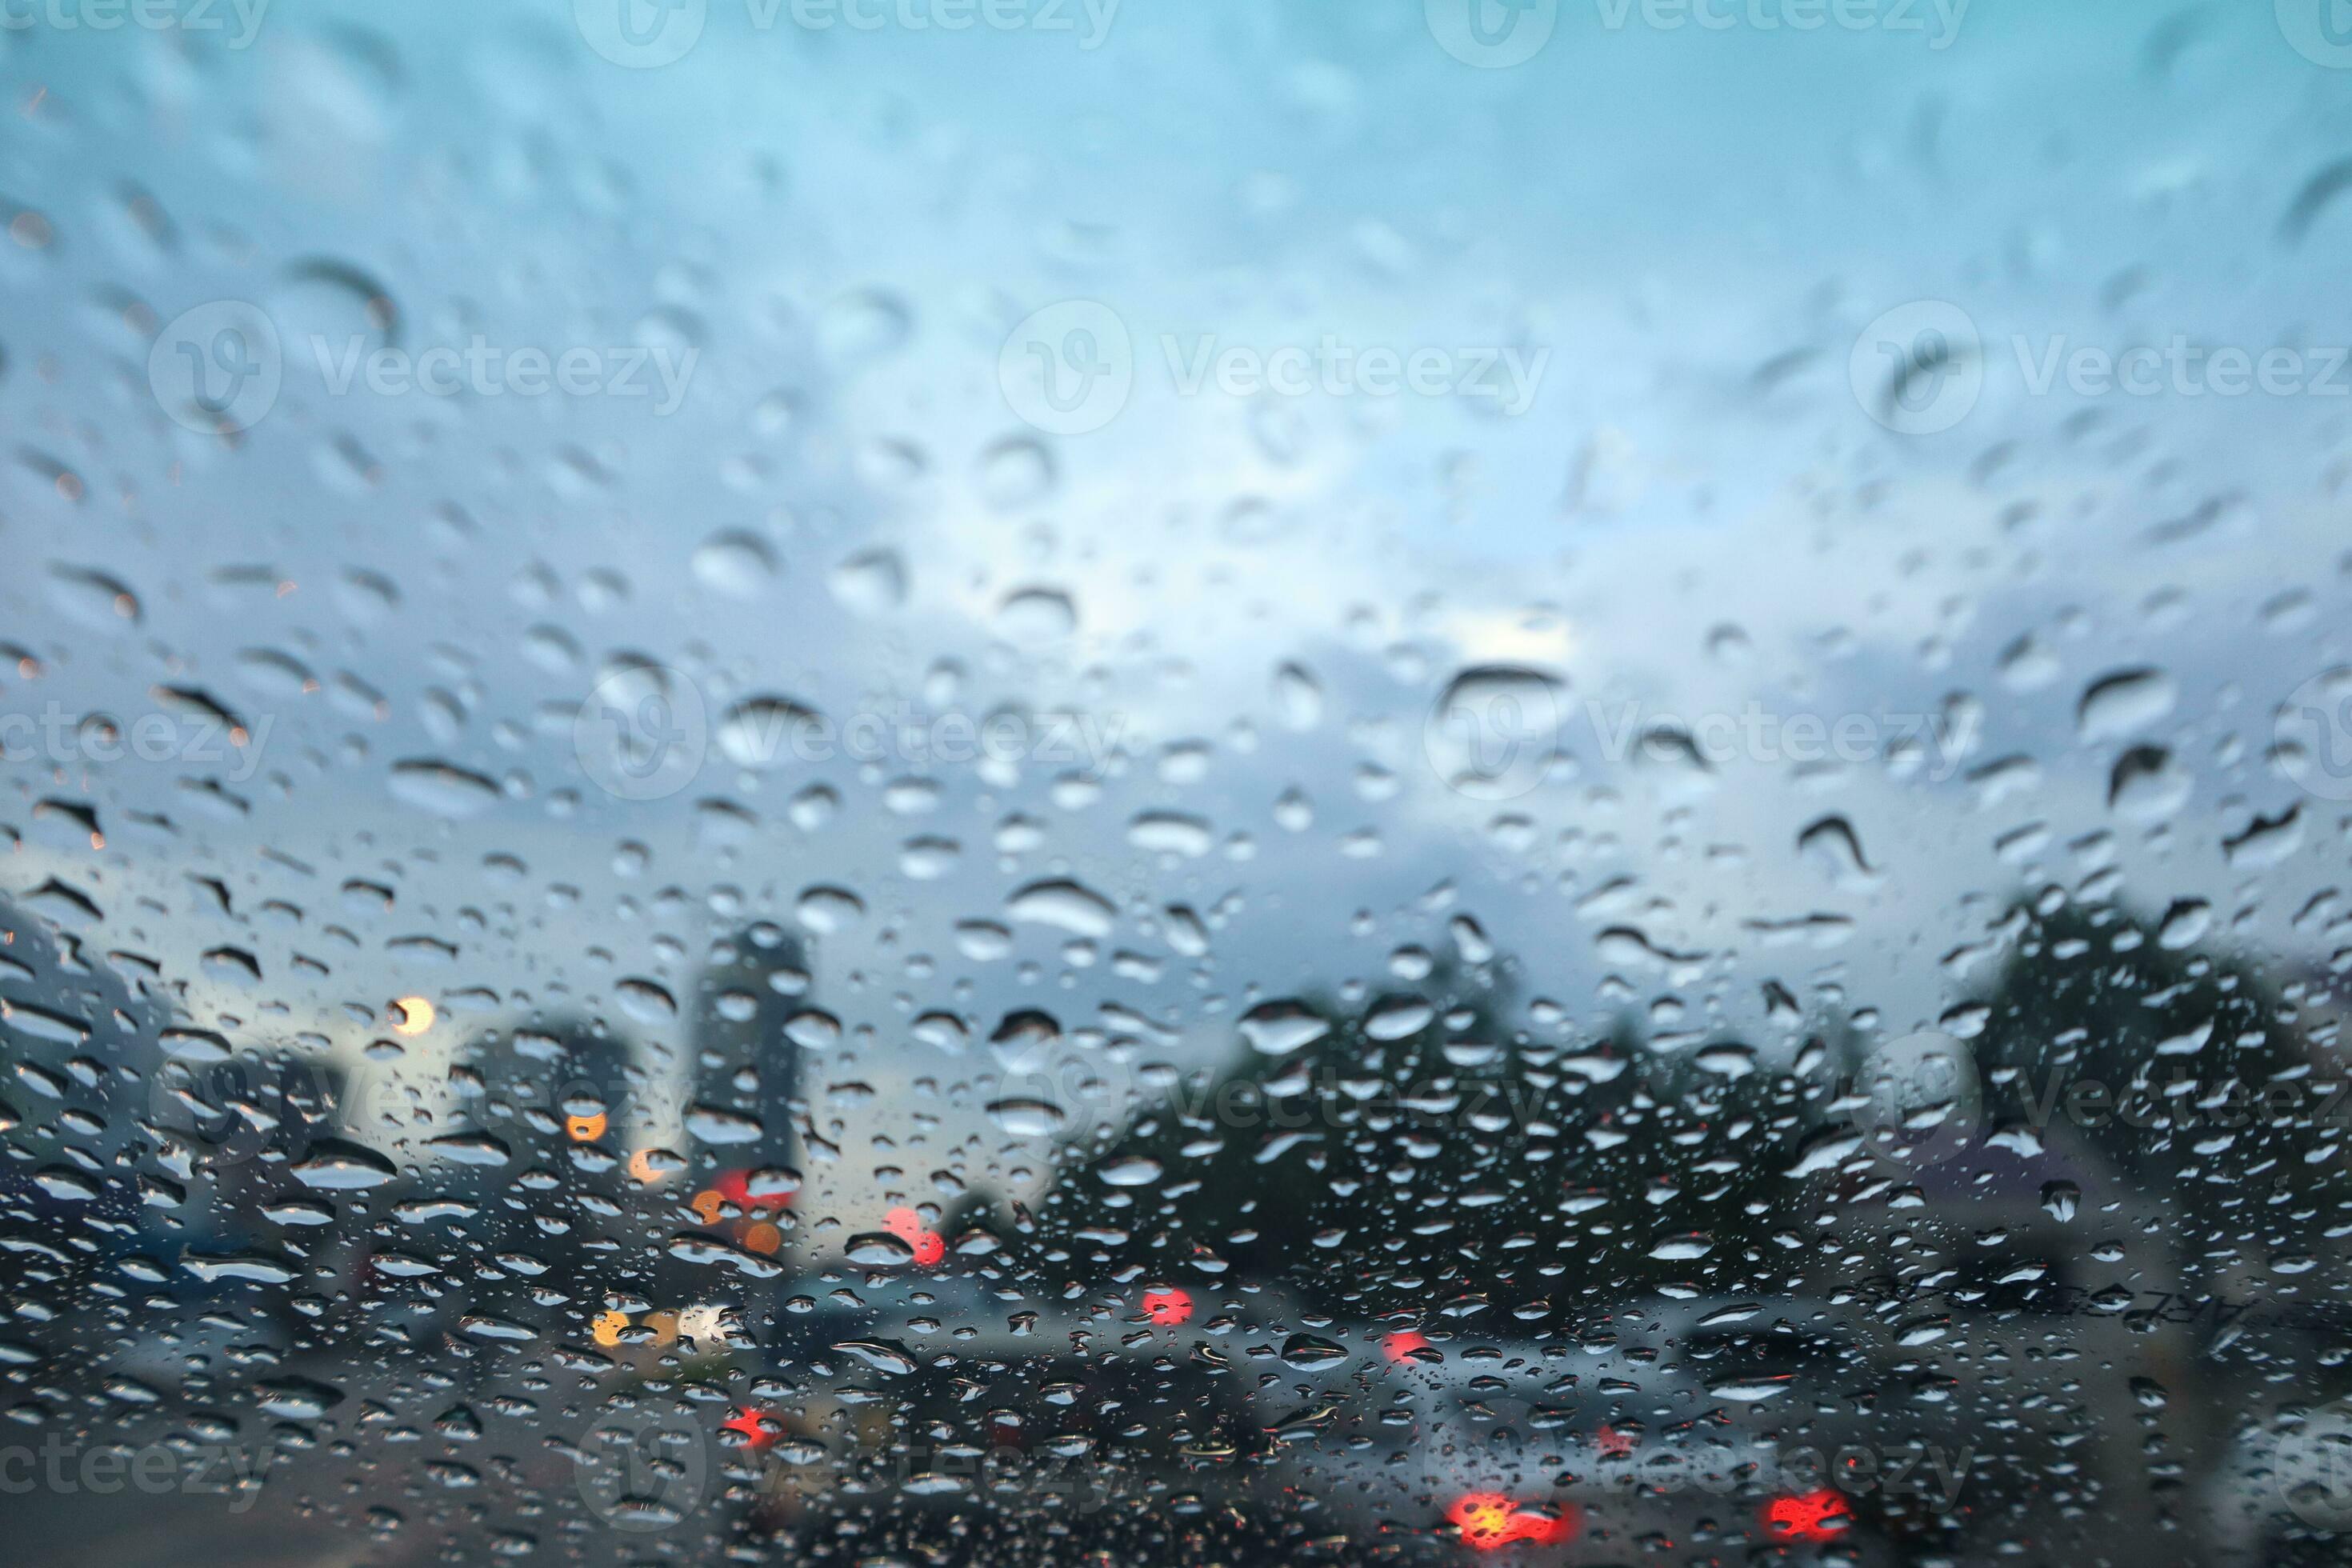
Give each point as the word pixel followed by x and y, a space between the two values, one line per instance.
pixel 585 1129
pixel 1489 1521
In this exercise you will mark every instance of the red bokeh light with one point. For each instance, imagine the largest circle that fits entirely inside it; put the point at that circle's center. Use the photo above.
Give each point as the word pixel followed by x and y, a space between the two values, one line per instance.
pixel 1168 1308
pixel 1400 1346
pixel 1490 1521
pixel 908 1226
pixel 1809 1517
pixel 735 1187
pixel 748 1422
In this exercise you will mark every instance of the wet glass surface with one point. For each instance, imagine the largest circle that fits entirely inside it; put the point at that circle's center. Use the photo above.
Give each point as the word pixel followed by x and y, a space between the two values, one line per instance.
pixel 1006 782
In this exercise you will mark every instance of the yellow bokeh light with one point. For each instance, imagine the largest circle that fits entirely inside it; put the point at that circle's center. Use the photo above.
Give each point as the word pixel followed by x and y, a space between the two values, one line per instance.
pixel 415 1015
